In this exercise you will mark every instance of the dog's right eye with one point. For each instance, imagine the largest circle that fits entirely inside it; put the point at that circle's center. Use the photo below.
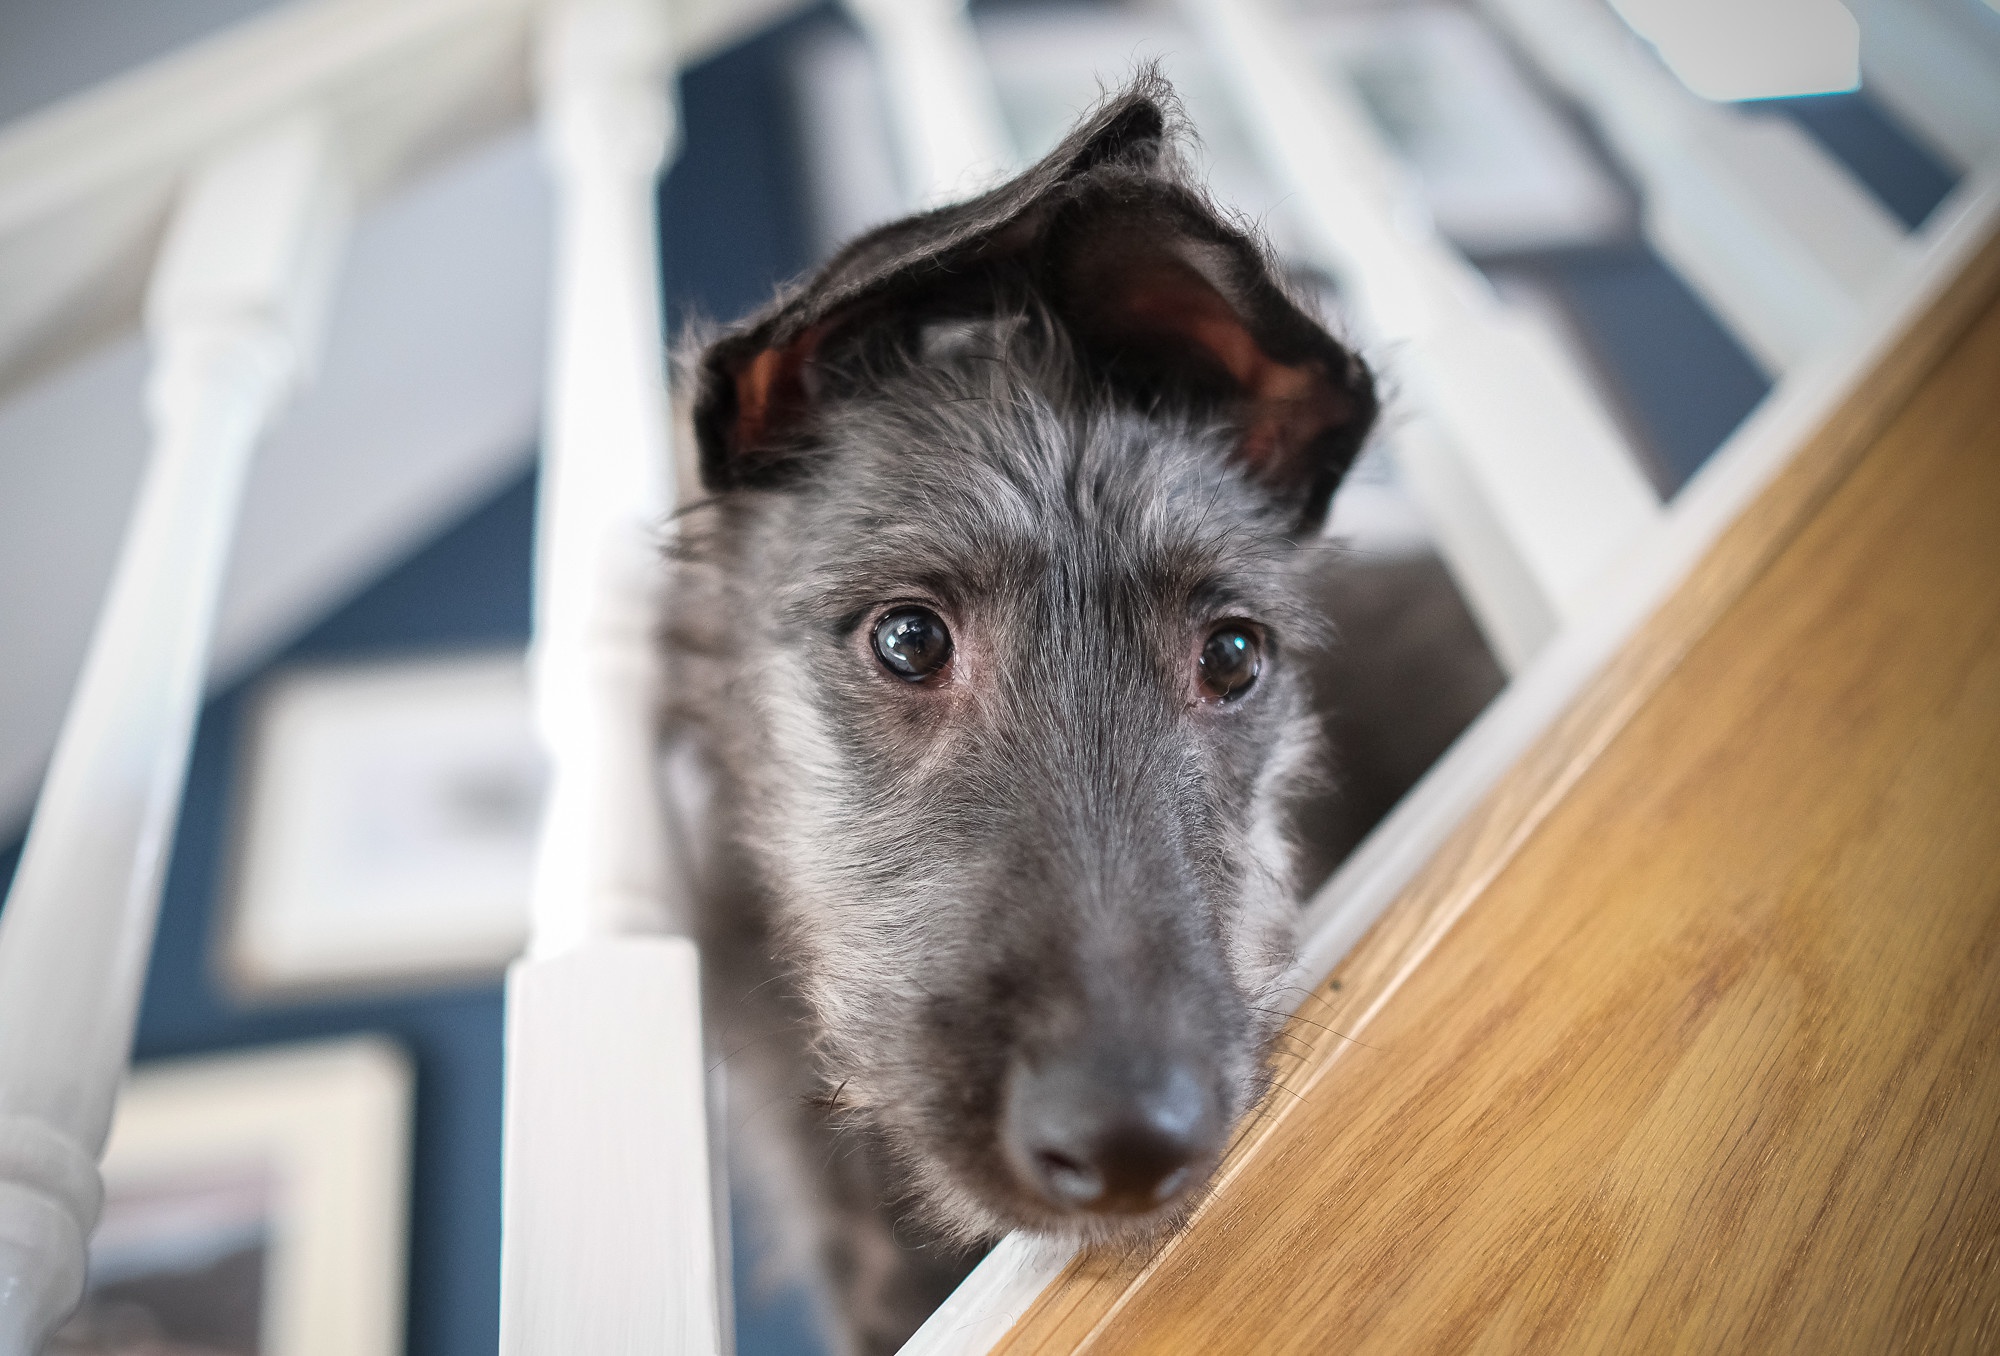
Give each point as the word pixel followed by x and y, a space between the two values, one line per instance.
pixel 912 643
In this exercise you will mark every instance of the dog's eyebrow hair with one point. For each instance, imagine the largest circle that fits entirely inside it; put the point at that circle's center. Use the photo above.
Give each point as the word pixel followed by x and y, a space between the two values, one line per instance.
pixel 847 595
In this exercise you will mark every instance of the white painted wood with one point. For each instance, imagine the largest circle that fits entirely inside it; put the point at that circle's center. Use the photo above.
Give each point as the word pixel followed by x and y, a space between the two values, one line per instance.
pixel 85 185
pixel 949 130
pixel 1531 489
pixel 608 1247
pixel 1730 50
pixel 609 1244
pixel 1773 233
pixel 427 401
pixel 237 295
pixel 1001 1288
pixel 989 1301
pixel 606 479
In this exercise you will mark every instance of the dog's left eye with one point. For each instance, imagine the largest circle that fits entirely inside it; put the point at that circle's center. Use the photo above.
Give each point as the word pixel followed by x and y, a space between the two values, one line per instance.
pixel 912 643
pixel 1231 661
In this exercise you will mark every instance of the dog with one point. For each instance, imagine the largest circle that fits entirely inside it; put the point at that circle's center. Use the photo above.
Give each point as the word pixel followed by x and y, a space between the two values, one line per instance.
pixel 994 631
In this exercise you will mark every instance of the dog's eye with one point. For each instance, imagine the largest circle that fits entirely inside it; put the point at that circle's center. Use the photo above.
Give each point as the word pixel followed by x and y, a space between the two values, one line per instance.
pixel 1231 661
pixel 912 643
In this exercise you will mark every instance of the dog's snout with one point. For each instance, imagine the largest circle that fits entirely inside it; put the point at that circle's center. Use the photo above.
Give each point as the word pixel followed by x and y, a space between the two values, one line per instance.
pixel 1109 1135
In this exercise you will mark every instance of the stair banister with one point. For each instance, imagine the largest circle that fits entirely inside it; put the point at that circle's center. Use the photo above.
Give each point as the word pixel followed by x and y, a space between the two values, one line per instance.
pixel 609 1243
pixel 233 312
pixel 1530 488
pixel 1784 245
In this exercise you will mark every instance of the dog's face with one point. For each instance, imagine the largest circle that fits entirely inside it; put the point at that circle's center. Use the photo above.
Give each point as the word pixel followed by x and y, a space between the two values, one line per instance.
pixel 1003 559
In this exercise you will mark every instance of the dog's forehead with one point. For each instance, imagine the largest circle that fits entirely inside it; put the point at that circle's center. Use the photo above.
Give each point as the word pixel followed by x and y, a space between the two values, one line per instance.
pixel 995 493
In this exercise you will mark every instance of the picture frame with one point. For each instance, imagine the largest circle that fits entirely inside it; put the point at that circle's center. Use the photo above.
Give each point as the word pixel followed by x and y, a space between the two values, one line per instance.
pixel 386 826
pixel 255 1205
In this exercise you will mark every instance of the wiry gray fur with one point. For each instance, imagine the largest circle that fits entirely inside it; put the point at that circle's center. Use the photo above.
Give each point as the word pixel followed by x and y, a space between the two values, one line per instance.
pixel 916 885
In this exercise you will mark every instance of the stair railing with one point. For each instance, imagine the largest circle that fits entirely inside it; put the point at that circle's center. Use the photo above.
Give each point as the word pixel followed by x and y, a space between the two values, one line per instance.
pixel 1784 245
pixel 234 315
pixel 609 1203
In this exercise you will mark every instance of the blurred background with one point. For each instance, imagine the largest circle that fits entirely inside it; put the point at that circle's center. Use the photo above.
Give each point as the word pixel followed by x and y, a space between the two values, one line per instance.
pixel 353 849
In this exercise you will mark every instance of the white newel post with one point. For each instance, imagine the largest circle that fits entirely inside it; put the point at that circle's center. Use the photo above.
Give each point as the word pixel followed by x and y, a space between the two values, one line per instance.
pixel 233 313
pixel 609 1235
pixel 1529 486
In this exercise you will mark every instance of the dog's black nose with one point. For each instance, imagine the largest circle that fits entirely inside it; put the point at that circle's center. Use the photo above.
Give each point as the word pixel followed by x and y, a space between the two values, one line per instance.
pixel 1113 1135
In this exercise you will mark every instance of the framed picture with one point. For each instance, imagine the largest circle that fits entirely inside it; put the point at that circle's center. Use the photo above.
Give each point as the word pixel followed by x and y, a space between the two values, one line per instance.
pixel 386 825
pixel 254 1205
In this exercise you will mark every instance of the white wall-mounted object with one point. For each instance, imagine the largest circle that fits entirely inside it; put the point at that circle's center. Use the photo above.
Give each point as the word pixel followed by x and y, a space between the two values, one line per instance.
pixel 609 1220
pixel 1751 49
pixel 1780 241
pixel 385 826
pixel 233 313
pixel 300 1153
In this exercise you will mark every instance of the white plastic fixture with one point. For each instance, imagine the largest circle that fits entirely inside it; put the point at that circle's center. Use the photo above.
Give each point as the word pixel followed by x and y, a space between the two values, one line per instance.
pixel 1731 50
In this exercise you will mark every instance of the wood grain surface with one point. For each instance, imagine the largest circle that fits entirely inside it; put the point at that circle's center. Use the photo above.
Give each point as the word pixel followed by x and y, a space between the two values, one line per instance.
pixel 1690 1037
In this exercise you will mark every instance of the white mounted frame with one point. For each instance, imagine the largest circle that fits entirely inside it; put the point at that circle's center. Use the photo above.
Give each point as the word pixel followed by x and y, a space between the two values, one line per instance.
pixel 385 825
pixel 308 1147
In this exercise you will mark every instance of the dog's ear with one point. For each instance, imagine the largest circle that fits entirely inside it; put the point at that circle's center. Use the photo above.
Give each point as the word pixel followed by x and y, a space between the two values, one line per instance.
pixel 1164 298
pixel 1175 305
pixel 752 383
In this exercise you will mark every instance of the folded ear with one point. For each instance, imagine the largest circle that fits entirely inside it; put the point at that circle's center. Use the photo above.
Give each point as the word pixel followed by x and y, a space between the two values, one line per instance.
pixel 1178 307
pixel 752 383
pixel 1163 298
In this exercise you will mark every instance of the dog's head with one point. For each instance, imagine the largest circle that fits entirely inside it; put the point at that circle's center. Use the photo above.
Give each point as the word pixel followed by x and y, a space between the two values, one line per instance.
pixel 1006 510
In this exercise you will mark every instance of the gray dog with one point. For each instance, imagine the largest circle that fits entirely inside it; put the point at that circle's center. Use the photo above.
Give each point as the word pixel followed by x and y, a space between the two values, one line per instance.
pixel 992 630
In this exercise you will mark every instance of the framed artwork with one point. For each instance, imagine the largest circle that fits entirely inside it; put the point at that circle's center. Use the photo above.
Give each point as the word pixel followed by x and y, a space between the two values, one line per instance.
pixel 385 825
pixel 255 1205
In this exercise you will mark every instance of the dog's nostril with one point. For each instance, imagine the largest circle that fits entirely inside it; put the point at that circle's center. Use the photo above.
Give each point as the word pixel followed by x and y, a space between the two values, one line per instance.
pixel 1116 1136
pixel 1070 1179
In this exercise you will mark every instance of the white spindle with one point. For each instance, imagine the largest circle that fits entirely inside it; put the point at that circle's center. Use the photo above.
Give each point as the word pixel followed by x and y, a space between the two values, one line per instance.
pixel 1777 237
pixel 1529 486
pixel 233 313
pixel 949 129
pixel 609 1242
pixel 606 466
